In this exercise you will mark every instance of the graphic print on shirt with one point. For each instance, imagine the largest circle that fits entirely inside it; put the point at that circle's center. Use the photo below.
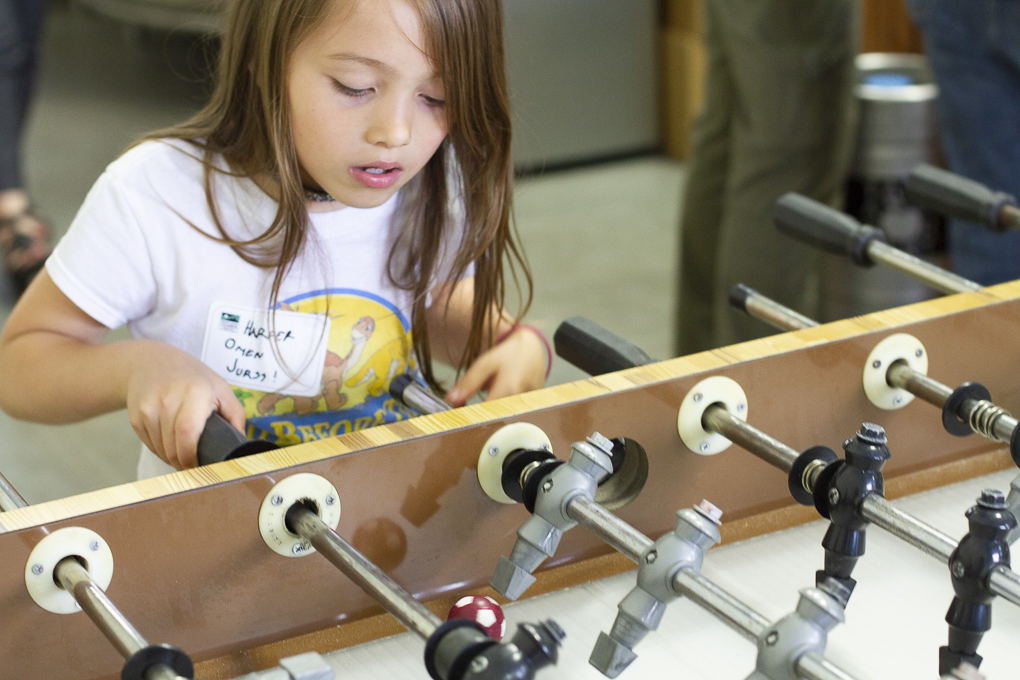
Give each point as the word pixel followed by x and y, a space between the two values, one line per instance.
pixel 369 344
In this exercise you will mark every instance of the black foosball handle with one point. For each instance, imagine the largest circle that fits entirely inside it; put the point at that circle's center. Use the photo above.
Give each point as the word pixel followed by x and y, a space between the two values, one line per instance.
pixel 221 441
pixel 832 231
pixel 957 197
pixel 825 228
pixel 595 350
pixel 409 392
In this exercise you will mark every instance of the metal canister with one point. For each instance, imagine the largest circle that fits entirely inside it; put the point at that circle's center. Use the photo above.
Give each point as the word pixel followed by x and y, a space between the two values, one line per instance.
pixel 896 99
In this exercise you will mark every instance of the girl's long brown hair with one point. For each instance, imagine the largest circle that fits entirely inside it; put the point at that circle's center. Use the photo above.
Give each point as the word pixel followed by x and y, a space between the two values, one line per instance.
pixel 247 122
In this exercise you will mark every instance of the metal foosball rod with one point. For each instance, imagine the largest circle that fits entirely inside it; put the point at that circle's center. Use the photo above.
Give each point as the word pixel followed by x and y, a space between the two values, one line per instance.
pixel 966 410
pixel 612 655
pixel 411 613
pixel 960 198
pixel 10 499
pixel 756 305
pixel 159 662
pixel 456 649
pixel 583 510
pixel 849 493
pixel 979 564
pixel 517 465
pixel 58 580
pixel 299 517
pixel 596 350
pixel 873 507
pixel 832 231
pixel 527 476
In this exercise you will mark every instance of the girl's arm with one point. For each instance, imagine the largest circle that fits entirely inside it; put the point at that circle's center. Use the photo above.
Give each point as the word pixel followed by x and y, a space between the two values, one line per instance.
pixel 55 369
pixel 517 364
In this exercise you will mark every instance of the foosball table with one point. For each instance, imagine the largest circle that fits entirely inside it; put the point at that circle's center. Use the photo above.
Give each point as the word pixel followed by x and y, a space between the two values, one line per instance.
pixel 649 464
pixel 188 560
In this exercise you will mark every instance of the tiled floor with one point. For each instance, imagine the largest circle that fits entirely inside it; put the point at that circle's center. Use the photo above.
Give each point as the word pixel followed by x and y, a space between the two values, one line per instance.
pixel 600 240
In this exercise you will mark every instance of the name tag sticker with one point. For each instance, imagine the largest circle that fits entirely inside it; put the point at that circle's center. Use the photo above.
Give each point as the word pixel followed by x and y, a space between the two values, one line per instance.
pixel 238 345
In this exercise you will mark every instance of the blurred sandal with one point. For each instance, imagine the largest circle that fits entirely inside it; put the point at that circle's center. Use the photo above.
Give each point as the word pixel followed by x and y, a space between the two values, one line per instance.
pixel 24 247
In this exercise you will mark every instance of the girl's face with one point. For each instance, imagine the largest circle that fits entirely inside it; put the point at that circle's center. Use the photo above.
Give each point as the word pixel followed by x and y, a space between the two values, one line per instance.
pixel 366 106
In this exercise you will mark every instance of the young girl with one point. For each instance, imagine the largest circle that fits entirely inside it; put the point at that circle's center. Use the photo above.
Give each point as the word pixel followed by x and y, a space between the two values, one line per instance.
pixel 336 215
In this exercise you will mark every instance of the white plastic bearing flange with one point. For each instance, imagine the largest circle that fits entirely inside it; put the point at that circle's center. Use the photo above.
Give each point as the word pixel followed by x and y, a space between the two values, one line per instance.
pixel 505 441
pixel 898 347
pixel 715 390
pixel 303 486
pixel 67 542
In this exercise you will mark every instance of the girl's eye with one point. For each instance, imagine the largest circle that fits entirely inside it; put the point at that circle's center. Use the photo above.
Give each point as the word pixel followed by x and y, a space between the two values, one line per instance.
pixel 433 102
pixel 349 91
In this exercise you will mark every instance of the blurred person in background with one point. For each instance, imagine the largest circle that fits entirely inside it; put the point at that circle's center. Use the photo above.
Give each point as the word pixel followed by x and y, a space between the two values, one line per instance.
pixel 973 48
pixel 23 235
pixel 778 117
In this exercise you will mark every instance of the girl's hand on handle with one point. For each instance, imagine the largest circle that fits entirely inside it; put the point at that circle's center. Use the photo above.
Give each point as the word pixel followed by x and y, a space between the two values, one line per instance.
pixel 517 364
pixel 169 401
pixel 55 368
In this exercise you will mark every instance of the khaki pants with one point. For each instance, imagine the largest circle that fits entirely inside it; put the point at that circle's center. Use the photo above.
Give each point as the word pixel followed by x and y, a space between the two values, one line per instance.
pixel 778 117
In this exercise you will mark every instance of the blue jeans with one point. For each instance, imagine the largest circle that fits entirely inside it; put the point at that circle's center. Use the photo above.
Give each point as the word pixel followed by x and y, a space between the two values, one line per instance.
pixel 973 47
pixel 20 22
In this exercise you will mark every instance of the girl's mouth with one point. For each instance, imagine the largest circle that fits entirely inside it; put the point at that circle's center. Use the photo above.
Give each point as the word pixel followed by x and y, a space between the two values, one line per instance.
pixel 377 176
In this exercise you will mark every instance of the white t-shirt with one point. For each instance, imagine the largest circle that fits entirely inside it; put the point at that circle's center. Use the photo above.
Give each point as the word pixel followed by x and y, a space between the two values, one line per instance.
pixel 137 254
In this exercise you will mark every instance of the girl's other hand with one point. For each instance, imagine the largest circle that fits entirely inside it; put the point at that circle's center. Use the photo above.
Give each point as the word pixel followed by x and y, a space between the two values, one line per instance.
pixel 517 364
pixel 169 401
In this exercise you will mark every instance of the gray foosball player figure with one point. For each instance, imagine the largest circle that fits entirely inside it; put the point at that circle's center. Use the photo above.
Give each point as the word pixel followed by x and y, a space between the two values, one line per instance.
pixel 642 609
pixel 517 465
pixel 589 463
pixel 783 646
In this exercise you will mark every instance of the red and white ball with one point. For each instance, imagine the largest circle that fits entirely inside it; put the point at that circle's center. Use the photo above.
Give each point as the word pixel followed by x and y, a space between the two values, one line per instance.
pixel 482 610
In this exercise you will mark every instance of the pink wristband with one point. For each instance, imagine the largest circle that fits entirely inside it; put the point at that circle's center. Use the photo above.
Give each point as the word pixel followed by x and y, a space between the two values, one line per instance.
pixel 541 336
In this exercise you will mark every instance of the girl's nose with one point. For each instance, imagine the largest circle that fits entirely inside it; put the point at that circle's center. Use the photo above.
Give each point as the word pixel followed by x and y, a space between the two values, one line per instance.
pixel 390 127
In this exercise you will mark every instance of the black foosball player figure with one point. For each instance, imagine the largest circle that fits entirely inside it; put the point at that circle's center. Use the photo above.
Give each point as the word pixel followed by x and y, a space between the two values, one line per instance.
pixel 983 548
pixel 838 492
